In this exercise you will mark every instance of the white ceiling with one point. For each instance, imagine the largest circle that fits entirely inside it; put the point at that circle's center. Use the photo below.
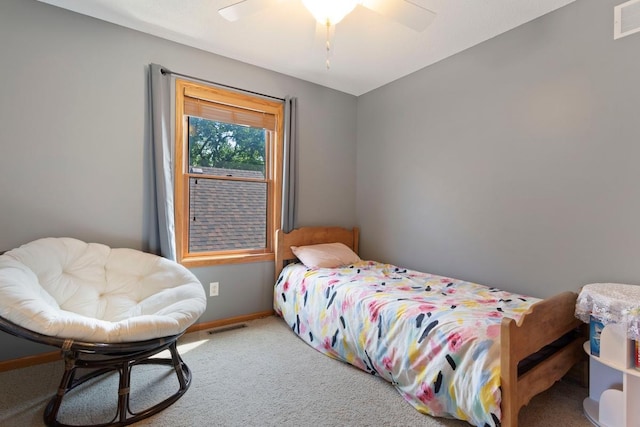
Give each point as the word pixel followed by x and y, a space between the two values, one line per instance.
pixel 369 50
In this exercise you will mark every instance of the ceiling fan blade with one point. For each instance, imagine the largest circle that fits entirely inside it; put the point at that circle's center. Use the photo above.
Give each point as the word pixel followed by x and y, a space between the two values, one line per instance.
pixel 405 12
pixel 244 8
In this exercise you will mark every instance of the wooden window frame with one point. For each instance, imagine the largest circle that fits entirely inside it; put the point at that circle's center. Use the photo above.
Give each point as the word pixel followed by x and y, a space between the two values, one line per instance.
pixel 273 174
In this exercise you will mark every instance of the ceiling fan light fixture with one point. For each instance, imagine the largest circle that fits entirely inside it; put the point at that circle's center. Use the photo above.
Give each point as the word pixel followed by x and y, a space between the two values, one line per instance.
pixel 330 12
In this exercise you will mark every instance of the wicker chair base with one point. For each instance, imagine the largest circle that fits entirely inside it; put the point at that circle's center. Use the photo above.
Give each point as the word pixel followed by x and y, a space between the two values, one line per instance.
pixel 104 358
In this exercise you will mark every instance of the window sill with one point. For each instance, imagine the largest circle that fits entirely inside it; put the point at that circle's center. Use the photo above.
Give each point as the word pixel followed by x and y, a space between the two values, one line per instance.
pixel 203 261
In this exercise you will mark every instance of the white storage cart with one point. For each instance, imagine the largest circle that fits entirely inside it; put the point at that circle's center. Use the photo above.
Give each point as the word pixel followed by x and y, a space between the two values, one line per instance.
pixel 614 381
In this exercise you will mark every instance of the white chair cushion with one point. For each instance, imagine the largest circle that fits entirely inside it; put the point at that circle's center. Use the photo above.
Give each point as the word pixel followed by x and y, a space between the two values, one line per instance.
pixel 66 288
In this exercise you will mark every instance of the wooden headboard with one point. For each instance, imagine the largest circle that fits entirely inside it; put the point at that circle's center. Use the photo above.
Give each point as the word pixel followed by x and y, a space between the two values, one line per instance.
pixel 311 236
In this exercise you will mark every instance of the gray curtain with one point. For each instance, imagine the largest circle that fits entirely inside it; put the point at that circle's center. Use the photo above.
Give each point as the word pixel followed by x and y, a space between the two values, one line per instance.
pixel 162 235
pixel 290 170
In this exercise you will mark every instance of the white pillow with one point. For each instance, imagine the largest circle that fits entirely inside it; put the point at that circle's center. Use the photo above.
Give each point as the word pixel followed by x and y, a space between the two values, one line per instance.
pixel 325 255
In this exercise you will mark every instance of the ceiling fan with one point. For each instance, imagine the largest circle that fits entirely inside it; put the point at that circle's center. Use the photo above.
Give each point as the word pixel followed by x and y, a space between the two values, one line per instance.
pixel 329 12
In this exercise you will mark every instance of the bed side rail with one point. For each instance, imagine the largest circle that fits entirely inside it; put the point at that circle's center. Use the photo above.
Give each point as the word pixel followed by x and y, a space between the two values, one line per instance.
pixel 550 370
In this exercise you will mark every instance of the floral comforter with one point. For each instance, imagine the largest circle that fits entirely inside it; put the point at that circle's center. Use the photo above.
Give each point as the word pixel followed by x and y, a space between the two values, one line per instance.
pixel 436 339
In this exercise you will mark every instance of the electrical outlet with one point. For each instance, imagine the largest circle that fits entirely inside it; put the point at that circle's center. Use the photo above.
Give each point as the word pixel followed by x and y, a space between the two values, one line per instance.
pixel 213 289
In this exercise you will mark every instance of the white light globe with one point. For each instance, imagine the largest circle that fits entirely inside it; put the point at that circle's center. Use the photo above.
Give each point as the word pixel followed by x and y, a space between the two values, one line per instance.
pixel 330 11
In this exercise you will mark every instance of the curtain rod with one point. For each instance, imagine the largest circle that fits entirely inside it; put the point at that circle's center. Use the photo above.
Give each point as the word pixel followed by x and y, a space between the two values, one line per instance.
pixel 164 70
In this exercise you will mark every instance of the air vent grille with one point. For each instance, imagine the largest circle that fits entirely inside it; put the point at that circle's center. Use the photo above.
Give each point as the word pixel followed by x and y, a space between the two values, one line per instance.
pixel 226 328
pixel 626 19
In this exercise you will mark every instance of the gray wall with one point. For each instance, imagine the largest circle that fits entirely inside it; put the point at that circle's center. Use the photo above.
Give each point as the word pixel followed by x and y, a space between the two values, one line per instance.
pixel 513 163
pixel 73 129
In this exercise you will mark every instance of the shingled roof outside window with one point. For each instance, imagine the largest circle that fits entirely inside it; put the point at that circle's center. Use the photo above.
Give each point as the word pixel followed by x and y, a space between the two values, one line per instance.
pixel 227 215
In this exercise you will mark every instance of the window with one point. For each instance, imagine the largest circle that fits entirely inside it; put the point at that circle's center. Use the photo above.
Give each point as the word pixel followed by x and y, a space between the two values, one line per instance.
pixel 228 175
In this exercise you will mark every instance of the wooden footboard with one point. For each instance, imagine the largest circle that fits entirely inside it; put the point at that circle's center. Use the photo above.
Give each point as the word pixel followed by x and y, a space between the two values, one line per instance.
pixel 547 321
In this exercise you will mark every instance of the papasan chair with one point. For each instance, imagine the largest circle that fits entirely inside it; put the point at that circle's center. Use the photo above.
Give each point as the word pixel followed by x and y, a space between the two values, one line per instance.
pixel 108 310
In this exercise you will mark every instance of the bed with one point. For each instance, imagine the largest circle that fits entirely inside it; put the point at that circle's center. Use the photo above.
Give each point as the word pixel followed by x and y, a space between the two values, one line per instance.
pixel 451 348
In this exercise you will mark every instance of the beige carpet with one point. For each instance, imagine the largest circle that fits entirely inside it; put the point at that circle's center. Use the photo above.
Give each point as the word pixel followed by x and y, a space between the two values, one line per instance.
pixel 259 375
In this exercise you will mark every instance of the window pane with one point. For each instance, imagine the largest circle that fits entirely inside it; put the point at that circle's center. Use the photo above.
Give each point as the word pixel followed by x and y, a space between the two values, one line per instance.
pixel 227 215
pixel 226 149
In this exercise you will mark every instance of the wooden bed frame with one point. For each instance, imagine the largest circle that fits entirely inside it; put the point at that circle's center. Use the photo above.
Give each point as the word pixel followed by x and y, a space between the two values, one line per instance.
pixel 546 322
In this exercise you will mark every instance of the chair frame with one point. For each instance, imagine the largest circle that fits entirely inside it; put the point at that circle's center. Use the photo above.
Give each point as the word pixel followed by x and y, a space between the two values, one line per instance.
pixel 104 358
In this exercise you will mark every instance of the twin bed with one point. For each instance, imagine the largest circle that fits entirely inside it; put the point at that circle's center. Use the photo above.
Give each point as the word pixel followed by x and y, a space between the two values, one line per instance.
pixel 451 348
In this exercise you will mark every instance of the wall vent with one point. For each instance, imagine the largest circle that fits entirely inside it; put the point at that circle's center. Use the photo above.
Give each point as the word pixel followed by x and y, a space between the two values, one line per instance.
pixel 626 19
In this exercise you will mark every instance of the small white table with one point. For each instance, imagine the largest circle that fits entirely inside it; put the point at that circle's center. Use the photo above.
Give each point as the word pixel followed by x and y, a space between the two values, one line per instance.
pixel 614 382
